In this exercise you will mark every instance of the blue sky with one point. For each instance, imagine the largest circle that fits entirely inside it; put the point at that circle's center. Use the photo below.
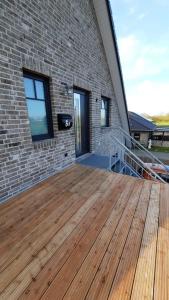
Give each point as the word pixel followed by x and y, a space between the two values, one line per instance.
pixel 142 29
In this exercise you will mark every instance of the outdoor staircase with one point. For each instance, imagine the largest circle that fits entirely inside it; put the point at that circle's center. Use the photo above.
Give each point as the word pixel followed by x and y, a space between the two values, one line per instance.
pixel 117 152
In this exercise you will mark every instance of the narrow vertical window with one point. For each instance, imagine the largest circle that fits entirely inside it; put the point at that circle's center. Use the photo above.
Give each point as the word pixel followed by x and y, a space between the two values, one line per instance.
pixel 104 112
pixel 39 106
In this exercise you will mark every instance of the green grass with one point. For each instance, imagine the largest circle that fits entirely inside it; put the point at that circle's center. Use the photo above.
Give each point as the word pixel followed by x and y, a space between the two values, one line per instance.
pixel 162 123
pixel 160 149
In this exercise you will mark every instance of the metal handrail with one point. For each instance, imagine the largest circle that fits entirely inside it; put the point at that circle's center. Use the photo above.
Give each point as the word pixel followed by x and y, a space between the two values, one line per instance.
pixel 124 163
pixel 140 162
pixel 110 145
pixel 141 166
pixel 142 148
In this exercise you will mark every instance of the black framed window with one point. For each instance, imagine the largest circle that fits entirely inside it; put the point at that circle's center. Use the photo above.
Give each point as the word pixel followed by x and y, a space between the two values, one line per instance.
pixel 104 112
pixel 157 137
pixel 137 136
pixel 166 138
pixel 39 106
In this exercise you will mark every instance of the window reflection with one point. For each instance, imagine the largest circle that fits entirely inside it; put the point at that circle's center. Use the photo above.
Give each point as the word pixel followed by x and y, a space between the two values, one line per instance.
pixel 29 88
pixel 77 122
pixel 105 112
pixel 37 117
pixel 39 110
pixel 39 89
pixel 103 117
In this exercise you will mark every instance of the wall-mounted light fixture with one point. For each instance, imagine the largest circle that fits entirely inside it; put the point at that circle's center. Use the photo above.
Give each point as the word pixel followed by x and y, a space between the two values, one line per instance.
pixel 68 90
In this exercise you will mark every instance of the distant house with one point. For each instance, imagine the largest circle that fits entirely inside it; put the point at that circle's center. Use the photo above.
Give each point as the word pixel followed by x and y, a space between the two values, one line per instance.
pixel 141 128
pixel 160 136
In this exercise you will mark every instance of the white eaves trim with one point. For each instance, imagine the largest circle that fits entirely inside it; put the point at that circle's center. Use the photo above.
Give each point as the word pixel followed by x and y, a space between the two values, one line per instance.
pixel 105 25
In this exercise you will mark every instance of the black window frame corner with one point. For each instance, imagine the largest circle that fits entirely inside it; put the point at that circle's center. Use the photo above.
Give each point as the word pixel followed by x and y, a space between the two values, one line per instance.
pixel 48 106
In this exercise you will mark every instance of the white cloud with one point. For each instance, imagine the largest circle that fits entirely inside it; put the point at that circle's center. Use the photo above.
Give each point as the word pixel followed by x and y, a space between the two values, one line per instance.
pixel 144 49
pixel 142 16
pixel 144 68
pixel 140 60
pixel 132 11
pixel 148 96
pixel 127 47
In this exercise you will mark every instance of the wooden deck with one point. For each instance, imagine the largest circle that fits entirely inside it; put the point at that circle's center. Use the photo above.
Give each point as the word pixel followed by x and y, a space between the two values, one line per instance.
pixel 86 234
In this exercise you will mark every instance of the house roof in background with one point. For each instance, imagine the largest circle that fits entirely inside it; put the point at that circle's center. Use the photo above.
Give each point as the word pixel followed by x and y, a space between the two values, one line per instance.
pixel 138 123
pixel 162 128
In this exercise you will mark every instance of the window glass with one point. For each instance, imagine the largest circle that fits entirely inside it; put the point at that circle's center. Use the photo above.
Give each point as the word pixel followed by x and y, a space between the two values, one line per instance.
pixel 39 89
pixel 105 112
pixel 37 117
pixel 29 88
pixel 137 136
pixel 103 117
pixel 103 106
pixel 39 108
pixel 106 104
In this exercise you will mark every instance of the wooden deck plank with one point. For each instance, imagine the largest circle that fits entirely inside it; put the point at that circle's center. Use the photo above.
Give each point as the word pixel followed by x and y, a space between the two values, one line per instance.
pixel 67 200
pixel 122 283
pixel 81 283
pixel 102 282
pixel 39 200
pixel 36 289
pixel 20 199
pixel 39 239
pixel 21 260
pixel 143 287
pixel 72 265
pixel 86 234
pixel 47 250
pixel 25 216
pixel 161 286
pixel 32 201
pixel 164 207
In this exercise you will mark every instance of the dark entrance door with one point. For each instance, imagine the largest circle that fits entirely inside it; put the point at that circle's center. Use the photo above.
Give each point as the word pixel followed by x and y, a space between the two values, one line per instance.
pixel 81 121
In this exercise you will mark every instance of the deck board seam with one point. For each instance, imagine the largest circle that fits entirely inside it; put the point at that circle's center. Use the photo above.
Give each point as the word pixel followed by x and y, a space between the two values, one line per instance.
pixel 81 221
pixel 39 224
pixel 85 185
pixel 8 205
pixel 121 178
pixel 54 233
pixel 108 246
pixel 126 239
pixel 157 244
pixel 10 202
pixel 141 240
pixel 99 176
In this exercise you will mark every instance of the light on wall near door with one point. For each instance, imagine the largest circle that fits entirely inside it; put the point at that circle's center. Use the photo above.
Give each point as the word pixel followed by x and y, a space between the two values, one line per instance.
pixel 68 90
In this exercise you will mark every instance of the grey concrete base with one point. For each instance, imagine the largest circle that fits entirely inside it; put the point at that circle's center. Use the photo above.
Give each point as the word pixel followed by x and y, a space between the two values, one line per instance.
pixel 95 161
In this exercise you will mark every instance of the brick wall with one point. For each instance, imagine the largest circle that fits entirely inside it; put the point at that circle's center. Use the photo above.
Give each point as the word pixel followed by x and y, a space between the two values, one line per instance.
pixel 59 39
